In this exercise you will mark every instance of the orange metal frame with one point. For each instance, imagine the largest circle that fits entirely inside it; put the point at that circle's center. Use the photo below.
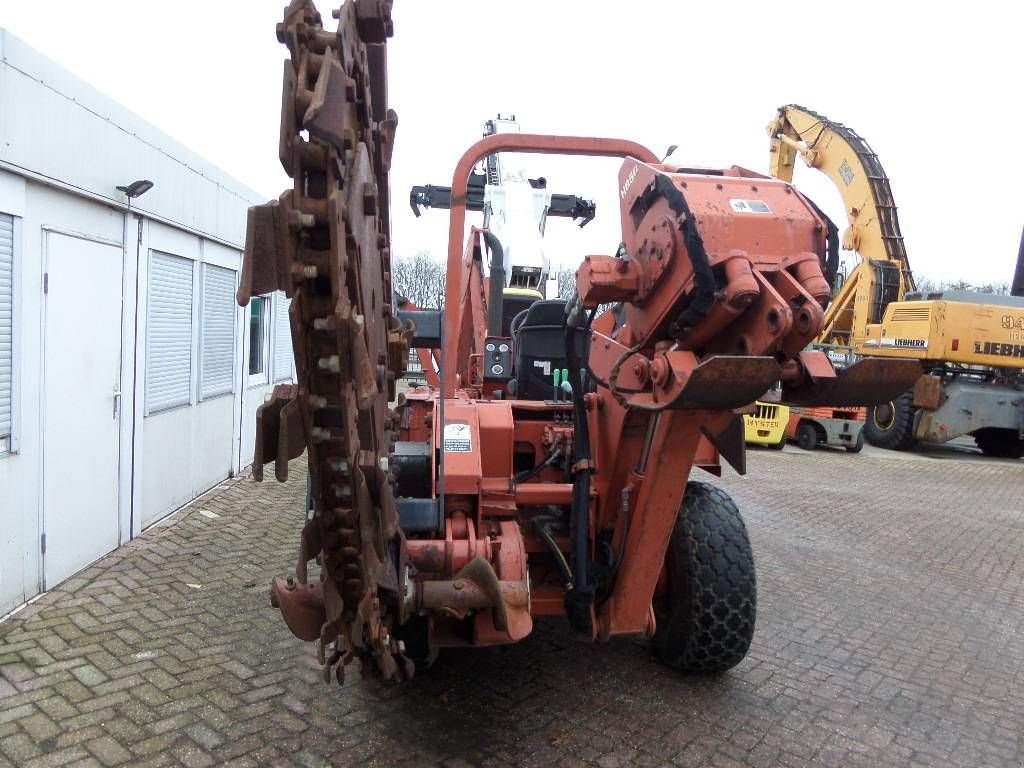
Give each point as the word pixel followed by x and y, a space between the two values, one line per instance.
pixel 641 458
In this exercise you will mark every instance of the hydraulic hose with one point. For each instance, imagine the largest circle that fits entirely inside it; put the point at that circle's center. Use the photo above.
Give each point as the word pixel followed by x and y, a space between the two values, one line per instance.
pixel 704 278
pixel 497 284
pixel 541 523
pixel 527 474
pixel 579 599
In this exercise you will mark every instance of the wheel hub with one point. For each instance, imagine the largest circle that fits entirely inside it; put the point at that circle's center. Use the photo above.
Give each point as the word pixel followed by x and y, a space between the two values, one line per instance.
pixel 884 416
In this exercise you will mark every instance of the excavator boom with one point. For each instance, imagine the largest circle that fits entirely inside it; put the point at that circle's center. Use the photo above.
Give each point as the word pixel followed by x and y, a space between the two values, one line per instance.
pixel 873 227
pixel 847 159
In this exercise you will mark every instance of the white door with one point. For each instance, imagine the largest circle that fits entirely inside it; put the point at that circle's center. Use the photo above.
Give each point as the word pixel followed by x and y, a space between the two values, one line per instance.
pixel 81 404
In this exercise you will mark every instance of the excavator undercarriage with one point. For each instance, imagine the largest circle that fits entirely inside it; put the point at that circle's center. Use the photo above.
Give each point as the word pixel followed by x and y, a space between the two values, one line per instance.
pixel 547 472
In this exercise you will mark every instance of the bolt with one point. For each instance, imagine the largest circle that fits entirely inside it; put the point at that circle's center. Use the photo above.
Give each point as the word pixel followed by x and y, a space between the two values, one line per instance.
pixel 332 364
pixel 458 584
pixel 291 582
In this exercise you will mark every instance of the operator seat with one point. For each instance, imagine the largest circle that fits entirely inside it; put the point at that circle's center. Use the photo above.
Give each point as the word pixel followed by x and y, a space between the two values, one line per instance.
pixel 538 335
pixel 515 301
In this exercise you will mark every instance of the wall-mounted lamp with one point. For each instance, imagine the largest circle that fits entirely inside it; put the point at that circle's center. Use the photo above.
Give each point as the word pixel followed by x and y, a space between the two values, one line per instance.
pixel 136 188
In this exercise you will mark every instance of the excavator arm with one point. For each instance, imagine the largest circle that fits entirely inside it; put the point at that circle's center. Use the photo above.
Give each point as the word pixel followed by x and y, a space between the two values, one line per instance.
pixel 873 228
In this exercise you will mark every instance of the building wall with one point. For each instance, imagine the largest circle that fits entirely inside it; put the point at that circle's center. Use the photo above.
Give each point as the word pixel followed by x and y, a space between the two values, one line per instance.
pixel 56 126
pixel 189 448
pixel 39 211
pixel 64 147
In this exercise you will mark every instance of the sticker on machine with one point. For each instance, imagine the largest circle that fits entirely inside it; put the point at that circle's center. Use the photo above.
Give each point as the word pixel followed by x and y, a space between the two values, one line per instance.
pixel 905 343
pixel 457 437
pixel 749 206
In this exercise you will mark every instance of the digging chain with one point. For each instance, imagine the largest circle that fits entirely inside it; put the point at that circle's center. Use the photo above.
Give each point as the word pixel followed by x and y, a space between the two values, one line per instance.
pixel 888 220
pixel 331 254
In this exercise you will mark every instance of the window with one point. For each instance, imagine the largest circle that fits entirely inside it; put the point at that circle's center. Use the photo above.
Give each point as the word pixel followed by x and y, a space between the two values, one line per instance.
pixel 169 333
pixel 282 338
pixel 217 338
pixel 6 330
pixel 259 341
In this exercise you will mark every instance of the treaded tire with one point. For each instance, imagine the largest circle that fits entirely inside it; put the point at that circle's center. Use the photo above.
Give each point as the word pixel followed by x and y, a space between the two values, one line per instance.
pixel 807 436
pixel 999 443
pixel 705 622
pixel 858 444
pixel 893 430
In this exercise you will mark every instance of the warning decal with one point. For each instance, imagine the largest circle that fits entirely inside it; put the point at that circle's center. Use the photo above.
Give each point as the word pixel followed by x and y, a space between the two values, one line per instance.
pixel 457 437
pixel 749 206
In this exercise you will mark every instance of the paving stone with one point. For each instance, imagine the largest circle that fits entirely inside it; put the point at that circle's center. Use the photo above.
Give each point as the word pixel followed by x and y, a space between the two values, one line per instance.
pixel 204 736
pixel 39 727
pixel 20 748
pixel 108 751
pixel 890 619
pixel 89 675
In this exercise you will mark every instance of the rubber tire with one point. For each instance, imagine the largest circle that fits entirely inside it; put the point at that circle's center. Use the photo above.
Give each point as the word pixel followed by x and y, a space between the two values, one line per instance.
pixel 999 443
pixel 807 436
pixel 858 446
pixel 898 433
pixel 707 616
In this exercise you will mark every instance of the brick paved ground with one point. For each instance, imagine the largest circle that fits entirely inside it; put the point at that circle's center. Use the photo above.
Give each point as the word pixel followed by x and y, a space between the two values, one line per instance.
pixel 890 631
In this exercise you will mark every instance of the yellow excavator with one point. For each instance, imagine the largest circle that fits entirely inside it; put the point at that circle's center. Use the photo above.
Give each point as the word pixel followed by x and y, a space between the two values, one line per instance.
pixel 971 345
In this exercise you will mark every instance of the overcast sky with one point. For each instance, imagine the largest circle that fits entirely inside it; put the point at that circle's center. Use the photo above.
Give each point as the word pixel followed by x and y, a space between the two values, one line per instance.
pixel 935 91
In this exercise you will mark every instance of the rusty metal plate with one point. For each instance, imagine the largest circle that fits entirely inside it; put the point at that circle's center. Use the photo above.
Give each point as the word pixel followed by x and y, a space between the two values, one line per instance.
pixel 725 382
pixel 870 381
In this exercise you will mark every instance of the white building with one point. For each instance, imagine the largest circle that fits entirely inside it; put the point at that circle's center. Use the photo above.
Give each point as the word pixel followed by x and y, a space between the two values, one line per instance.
pixel 129 377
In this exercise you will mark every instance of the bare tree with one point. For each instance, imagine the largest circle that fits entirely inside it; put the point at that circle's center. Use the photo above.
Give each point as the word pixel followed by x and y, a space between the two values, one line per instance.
pixel 1000 289
pixel 566 283
pixel 420 279
pixel 927 285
